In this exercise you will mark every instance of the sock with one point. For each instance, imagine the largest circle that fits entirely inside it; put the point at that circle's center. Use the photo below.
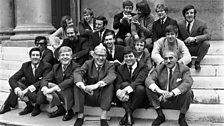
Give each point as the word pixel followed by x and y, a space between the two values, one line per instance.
pixel 159 112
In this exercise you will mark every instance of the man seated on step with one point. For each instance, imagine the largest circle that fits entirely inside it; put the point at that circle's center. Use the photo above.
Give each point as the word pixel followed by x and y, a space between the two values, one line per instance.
pixel 94 85
pixel 57 86
pixel 32 71
pixel 130 85
pixel 169 86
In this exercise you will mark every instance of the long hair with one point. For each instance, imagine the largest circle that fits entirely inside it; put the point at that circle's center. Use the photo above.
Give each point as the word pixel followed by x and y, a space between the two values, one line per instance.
pixel 143 7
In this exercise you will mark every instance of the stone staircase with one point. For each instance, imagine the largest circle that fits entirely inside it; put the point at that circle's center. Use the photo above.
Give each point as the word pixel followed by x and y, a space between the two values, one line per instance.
pixel 208 87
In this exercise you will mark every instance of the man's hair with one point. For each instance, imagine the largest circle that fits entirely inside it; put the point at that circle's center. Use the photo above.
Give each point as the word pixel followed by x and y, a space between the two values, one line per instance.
pixel 65 49
pixel 127 3
pixel 161 6
pixel 74 28
pixel 171 28
pixel 143 7
pixel 38 38
pixel 128 50
pixel 34 49
pixel 88 11
pixel 102 18
pixel 188 7
pixel 63 21
pixel 170 51
pixel 110 32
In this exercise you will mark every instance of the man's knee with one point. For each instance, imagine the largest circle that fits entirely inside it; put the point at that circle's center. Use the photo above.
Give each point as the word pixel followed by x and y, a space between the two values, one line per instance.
pixel 205 44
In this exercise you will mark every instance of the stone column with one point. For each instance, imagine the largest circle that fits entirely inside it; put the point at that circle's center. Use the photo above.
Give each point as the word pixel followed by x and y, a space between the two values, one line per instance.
pixel 33 18
pixel 7 19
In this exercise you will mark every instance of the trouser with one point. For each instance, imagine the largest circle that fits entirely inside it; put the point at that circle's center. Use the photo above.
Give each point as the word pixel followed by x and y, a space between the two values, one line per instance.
pixel 101 97
pixel 181 102
pixel 136 99
pixel 12 99
pixel 199 50
pixel 59 98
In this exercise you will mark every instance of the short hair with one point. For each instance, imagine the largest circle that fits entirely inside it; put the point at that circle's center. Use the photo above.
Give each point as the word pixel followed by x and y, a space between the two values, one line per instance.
pixel 171 28
pixel 143 7
pixel 168 51
pixel 102 18
pixel 161 6
pixel 127 3
pixel 63 21
pixel 34 49
pixel 188 7
pixel 38 38
pixel 65 49
pixel 88 11
pixel 72 26
pixel 110 32
pixel 128 50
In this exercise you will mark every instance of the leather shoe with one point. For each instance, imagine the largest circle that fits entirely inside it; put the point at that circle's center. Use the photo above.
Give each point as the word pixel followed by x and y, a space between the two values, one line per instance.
pixel 197 66
pixel 68 115
pixel 182 122
pixel 78 122
pixel 27 110
pixel 61 111
pixel 123 121
pixel 159 120
pixel 189 64
pixel 103 122
pixel 5 108
pixel 36 111
pixel 130 120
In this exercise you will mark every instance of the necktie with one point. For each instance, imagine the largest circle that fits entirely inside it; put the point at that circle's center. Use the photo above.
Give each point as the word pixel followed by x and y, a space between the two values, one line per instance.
pixel 34 69
pixel 100 35
pixel 130 70
pixel 162 22
pixel 188 27
pixel 170 77
pixel 98 69
pixel 63 69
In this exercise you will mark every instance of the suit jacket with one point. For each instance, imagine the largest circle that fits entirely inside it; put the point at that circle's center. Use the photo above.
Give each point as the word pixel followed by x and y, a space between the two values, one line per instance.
pixel 80 49
pixel 118 55
pixel 89 75
pixel 146 59
pixel 124 27
pixel 158 30
pixel 56 76
pixel 138 76
pixel 199 30
pixel 95 39
pixel 181 78
pixel 83 25
pixel 26 71
pixel 47 56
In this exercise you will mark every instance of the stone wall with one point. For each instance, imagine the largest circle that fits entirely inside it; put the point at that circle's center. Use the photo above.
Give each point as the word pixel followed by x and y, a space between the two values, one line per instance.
pixel 211 11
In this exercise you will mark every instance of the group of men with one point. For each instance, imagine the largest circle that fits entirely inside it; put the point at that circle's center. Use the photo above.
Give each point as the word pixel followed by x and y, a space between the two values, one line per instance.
pixel 97 71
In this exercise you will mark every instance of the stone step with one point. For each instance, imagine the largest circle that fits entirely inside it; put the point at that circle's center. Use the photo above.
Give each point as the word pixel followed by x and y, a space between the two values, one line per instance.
pixel 10 65
pixel 202 112
pixel 216 48
pixel 208 71
pixel 208 83
pixel 213 60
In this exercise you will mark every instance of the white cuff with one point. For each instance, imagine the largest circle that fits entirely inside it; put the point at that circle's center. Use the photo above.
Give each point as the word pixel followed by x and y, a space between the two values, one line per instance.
pixel 16 90
pixel 153 87
pixel 176 91
pixel 32 88
pixel 129 89
pixel 136 36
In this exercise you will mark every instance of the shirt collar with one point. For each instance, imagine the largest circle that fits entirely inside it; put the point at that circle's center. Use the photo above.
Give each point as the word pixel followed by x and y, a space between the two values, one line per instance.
pixel 164 20
pixel 191 23
pixel 168 69
pixel 35 65
pixel 134 66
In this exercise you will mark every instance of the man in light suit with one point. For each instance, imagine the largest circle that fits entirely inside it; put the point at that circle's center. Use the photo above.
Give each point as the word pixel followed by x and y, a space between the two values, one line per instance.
pixel 57 86
pixel 195 34
pixel 32 71
pixel 169 86
pixel 130 88
pixel 94 85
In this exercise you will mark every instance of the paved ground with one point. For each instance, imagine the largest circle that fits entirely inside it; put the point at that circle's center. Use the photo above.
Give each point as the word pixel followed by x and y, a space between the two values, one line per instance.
pixel 13 119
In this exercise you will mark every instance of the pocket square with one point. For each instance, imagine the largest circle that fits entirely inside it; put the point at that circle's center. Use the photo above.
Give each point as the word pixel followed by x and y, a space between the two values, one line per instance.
pixel 40 78
pixel 179 79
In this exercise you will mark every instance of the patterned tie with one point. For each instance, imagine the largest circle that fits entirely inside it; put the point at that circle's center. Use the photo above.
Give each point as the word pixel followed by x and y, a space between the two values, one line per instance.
pixel 170 78
pixel 188 27
pixel 63 69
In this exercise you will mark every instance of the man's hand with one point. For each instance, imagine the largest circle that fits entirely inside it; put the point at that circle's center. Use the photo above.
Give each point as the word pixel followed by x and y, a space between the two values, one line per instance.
pixel 44 90
pixel 122 96
pixel 101 83
pixel 190 40
pixel 25 91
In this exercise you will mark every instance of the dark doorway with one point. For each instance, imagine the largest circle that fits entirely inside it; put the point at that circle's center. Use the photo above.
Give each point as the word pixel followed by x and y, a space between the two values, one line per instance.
pixel 59 8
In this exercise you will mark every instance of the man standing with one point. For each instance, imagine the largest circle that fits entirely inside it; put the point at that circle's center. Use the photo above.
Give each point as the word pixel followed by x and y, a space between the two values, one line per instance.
pixel 195 34
pixel 169 86
pixel 94 85
pixel 32 71
pixel 57 86
pixel 158 27
pixel 130 88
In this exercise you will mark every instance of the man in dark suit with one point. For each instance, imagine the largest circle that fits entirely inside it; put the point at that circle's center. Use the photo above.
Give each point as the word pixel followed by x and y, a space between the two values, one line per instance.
pixel 57 85
pixel 32 71
pixel 195 34
pixel 94 85
pixel 122 22
pixel 169 86
pixel 47 54
pixel 158 27
pixel 130 87
pixel 79 45
pixel 98 36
